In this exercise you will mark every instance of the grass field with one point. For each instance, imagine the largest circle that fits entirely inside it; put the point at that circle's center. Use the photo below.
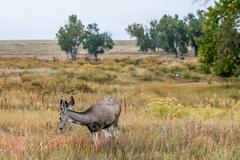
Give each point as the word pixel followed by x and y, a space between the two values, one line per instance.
pixel 171 110
pixel 48 49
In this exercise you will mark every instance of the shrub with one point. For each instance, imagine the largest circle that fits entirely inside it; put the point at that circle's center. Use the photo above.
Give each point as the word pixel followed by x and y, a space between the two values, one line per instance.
pixel 96 76
pixel 205 69
pixel 170 108
pixel 103 77
pixel 36 84
pixel 110 67
pixel 131 67
pixel 166 108
pixel 146 76
pixel 79 87
pixel 132 61
pixel 25 78
pixel 173 68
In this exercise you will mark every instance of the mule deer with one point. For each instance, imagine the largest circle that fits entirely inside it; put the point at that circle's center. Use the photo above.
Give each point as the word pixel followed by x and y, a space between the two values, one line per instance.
pixel 99 117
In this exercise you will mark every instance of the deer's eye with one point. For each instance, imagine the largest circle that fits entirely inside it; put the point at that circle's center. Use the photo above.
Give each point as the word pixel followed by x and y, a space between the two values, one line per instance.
pixel 60 118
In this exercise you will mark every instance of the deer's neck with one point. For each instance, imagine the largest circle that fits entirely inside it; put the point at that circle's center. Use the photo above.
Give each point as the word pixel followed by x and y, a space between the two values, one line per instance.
pixel 79 118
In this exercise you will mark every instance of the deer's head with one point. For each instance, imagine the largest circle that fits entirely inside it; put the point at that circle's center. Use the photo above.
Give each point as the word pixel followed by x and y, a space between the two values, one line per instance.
pixel 65 106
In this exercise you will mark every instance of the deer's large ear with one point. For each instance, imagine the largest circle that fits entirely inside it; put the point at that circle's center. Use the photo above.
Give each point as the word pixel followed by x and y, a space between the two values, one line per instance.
pixel 63 105
pixel 71 103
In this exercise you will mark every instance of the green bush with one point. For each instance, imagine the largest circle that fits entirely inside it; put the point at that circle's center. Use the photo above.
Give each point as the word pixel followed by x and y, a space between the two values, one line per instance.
pixel 96 76
pixel 224 67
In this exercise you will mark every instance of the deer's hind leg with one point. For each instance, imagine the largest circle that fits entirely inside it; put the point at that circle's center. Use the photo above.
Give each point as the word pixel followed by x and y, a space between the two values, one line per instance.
pixel 107 134
pixel 115 129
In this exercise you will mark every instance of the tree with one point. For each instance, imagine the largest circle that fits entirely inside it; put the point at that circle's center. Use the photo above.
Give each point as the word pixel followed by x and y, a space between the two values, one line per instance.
pixel 173 35
pixel 195 29
pixel 96 42
pixel 154 36
pixel 137 31
pixel 70 36
pixel 220 43
pixel 169 33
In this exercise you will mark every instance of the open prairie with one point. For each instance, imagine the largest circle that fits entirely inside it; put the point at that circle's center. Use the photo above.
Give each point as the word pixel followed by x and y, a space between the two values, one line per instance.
pixel 48 49
pixel 170 109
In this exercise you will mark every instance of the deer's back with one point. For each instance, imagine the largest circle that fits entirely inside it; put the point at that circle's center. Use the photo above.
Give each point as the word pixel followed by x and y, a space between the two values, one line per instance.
pixel 105 111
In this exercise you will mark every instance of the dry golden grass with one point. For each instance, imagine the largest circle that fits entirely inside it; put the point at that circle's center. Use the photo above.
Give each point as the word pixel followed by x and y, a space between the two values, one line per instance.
pixel 170 111
pixel 49 50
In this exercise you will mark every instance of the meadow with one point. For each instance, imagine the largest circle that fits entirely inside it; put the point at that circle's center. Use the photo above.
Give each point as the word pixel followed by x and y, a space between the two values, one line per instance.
pixel 170 109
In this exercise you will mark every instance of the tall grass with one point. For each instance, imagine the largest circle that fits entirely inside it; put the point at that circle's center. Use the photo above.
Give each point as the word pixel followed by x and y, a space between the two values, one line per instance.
pixel 167 112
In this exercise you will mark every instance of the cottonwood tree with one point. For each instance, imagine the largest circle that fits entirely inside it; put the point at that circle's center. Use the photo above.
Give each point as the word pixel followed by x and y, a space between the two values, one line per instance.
pixel 173 35
pixel 220 43
pixel 95 41
pixel 195 29
pixel 142 36
pixel 70 36
pixel 169 33
pixel 154 34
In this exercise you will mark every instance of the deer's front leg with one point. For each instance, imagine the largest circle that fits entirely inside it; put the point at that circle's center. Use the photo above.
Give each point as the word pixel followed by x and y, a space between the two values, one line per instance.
pixel 95 129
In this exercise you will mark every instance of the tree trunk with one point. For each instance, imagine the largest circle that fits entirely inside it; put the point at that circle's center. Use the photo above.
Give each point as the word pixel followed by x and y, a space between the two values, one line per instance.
pixel 154 49
pixel 74 52
pixel 74 56
pixel 176 48
pixel 195 46
pixel 95 55
pixel 176 52
pixel 69 56
pixel 196 50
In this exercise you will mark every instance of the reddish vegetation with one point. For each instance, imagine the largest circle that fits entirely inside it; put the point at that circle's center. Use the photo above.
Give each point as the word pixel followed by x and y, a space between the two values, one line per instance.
pixel 16 145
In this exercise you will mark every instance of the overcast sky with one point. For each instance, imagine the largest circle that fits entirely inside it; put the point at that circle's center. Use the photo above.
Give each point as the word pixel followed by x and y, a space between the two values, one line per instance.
pixel 41 19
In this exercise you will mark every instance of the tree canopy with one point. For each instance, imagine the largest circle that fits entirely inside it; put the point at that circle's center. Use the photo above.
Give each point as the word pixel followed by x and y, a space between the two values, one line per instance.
pixel 220 43
pixel 71 36
pixel 169 33
pixel 195 28
pixel 96 42
pixel 143 40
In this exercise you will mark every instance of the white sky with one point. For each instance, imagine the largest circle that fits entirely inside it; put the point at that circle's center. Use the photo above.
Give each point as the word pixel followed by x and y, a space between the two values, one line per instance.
pixel 41 19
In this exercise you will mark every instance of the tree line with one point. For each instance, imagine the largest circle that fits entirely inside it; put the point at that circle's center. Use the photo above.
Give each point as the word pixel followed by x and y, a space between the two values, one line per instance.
pixel 214 35
pixel 170 33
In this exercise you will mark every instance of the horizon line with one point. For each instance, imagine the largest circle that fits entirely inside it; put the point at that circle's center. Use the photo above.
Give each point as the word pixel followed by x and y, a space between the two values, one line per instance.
pixel 55 40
